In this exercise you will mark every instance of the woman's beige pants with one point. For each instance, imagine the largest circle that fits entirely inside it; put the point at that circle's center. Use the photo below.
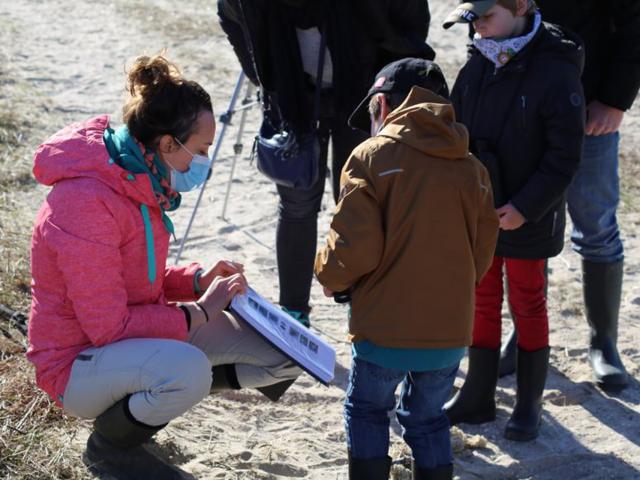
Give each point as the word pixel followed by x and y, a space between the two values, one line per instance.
pixel 165 378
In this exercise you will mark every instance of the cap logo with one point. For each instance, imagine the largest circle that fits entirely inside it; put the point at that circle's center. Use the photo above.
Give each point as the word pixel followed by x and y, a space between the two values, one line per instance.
pixel 379 82
pixel 467 15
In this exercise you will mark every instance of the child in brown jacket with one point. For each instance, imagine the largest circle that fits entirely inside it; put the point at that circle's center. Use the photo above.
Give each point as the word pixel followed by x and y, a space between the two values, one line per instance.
pixel 413 233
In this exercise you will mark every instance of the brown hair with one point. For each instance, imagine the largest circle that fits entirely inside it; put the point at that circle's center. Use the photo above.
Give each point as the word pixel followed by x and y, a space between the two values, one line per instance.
pixel 161 101
pixel 512 5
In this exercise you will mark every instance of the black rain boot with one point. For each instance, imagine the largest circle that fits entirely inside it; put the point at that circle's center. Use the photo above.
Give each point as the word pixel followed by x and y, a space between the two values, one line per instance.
pixel 369 468
pixel 602 287
pixel 532 367
pixel 115 447
pixel 275 391
pixel 508 355
pixel 439 473
pixel 224 378
pixel 475 402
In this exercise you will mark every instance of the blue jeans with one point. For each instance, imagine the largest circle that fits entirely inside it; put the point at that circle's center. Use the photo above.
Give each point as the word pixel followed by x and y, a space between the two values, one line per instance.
pixel 593 199
pixel 371 395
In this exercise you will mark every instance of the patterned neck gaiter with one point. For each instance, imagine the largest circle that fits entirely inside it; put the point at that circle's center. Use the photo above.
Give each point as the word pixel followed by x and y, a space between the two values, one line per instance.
pixel 501 51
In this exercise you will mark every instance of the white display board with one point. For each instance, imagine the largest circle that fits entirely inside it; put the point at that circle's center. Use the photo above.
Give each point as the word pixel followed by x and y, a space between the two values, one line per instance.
pixel 293 339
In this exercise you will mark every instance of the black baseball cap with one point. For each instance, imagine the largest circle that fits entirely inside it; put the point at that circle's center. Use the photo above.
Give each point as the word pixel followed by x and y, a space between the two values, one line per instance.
pixel 399 77
pixel 469 12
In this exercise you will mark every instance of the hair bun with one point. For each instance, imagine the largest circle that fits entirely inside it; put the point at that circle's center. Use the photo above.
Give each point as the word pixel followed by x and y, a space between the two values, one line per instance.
pixel 161 101
pixel 151 74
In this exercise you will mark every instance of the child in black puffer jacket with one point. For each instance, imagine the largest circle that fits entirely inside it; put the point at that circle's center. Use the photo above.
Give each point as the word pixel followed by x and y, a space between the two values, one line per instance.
pixel 521 98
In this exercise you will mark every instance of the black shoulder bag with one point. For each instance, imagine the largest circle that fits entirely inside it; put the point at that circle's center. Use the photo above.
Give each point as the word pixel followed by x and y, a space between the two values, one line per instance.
pixel 288 158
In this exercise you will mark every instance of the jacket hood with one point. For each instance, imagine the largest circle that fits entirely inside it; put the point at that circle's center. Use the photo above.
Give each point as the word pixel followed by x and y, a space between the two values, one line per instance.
pixel 426 122
pixel 78 151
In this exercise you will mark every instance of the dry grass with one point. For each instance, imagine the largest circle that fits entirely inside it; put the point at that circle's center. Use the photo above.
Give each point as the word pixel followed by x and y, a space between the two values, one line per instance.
pixel 15 228
pixel 18 118
pixel 35 436
pixel 15 211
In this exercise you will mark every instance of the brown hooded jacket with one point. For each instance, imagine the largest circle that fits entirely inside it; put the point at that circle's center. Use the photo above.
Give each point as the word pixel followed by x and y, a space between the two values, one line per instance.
pixel 414 231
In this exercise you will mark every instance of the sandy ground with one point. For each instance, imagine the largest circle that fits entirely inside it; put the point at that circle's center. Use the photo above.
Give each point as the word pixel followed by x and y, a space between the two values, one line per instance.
pixel 74 53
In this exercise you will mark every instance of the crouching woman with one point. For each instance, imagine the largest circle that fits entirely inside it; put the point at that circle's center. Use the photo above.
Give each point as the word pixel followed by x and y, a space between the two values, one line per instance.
pixel 115 334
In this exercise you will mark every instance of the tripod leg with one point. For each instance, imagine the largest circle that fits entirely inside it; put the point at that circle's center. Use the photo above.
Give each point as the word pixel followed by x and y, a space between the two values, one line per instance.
pixel 225 119
pixel 237 147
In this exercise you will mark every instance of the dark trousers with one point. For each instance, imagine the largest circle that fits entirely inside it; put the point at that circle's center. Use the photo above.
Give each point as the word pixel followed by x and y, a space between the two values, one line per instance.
pixel 297 230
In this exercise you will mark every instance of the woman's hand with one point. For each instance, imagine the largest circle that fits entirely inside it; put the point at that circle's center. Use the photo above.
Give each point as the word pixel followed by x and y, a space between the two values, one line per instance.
pixel 220 293
pixel 223 268
pixel 510 217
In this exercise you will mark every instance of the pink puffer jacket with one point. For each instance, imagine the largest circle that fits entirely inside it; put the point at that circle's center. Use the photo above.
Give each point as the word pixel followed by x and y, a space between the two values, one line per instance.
pixel 93 266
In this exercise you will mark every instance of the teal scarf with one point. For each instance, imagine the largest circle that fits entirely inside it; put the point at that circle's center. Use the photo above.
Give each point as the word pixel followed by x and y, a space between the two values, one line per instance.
pixel 124 150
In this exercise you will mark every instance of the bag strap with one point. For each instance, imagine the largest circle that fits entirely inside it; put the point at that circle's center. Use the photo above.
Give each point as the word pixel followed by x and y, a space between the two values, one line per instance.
pixel 319 71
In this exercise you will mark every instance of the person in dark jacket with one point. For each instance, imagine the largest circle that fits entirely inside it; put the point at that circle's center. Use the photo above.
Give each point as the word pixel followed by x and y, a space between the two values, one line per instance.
pixel 277 43
pixel 521 98
pixel 611 79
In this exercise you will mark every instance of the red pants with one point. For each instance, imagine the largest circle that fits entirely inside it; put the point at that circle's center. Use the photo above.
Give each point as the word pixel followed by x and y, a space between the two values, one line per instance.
pixel 526 292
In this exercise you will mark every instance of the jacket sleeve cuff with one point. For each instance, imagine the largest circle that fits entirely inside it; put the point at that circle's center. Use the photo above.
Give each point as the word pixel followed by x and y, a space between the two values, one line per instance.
pixel 180 283
pixel 529 212
pixel 196 281
pixel 620 89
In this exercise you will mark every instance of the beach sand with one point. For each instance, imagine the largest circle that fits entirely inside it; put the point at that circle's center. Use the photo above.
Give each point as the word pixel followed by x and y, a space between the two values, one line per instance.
pixel 74 55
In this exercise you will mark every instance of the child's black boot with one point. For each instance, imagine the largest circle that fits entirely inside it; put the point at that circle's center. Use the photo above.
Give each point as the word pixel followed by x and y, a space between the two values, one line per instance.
pixel 439 473
pixel 475 402
pixel 369 468
pixel 524 423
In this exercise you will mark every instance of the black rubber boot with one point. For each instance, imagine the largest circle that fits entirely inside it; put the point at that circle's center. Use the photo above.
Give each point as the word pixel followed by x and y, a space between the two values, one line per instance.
pixel 531 372
pixel 275 391
pixel 508 355
pixel 369 468
pixel 475 402
pixel 224 378
pixel 115 447
pixel 602 287
pixel 439 473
